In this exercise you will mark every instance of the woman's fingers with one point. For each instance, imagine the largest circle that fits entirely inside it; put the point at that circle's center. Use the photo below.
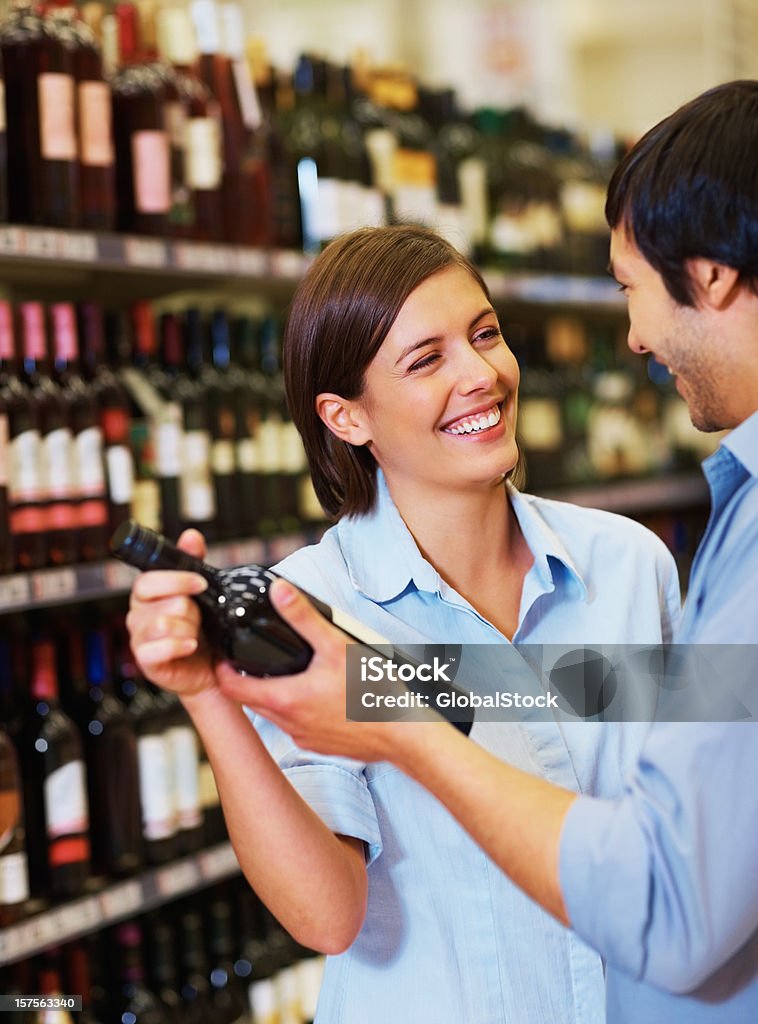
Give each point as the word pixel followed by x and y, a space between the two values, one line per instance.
pixel 157 584
pixel 193 542
pixel 157 654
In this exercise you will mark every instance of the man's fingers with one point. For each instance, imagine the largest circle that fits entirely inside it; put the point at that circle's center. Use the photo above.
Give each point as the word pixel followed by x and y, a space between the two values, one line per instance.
pixel 193 542
pixel 298 611
pixel 251 690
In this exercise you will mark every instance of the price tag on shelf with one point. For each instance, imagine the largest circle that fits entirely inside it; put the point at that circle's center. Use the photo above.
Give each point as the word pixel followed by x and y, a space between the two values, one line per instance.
pixel 178 878
pixel 118 576
pixel 76 245
pixel 145 252
pixel 188 256
pixel 11 241
pixel 44 244
pixel 54 584
pixel 38 931
pixel 250 262
pixel 218 862
pixel 121 900
pixel 285 263
pixel 14 590
pixel 80 916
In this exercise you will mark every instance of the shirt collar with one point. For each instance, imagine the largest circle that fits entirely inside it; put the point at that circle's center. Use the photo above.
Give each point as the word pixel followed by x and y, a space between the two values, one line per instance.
pixel 383 559
pixel 742 442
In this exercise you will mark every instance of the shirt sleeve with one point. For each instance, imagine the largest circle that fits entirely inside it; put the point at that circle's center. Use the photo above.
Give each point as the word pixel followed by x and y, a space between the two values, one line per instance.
pixel 335 788
pixel 663 883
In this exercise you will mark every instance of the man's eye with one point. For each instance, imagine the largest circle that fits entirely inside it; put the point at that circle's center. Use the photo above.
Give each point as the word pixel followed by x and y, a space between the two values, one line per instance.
pixel 622 287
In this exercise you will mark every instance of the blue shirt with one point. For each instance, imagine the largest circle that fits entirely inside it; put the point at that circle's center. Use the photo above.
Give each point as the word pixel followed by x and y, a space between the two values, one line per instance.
pixel 447 937
pixel 664 883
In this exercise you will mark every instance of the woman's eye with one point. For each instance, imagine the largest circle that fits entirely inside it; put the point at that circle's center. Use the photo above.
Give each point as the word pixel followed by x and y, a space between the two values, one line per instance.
pixel 425 361
pixel 488 333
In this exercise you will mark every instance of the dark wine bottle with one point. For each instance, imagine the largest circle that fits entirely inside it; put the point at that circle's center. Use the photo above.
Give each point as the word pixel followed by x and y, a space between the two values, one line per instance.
pixel 220 396
pixel 240 622
pixel 55 788
pixel 198 497
pixel 110 746
pixel 14 871
pixel 91 502
pixel 248 390
pixel 3 150
pixel 6 400
pixel 162 969
pixel 58 453
pixel 81 977
pixel 170 434
pixel 26 492
pixel 195 988
pixel 133 1001
pixel 227 990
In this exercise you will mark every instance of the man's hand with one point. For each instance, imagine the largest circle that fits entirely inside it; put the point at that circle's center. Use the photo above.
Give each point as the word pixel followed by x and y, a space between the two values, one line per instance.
pixel 311 706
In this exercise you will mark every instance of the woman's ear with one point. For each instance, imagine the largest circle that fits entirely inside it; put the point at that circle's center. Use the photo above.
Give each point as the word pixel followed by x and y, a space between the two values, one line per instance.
pixel 344 417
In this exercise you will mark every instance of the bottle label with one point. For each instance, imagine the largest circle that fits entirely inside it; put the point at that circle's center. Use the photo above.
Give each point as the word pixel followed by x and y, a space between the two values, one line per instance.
pixel 95 129
pixel 120 466
pixel 197 498
pixel 57 137
pixel 66 800
pixel 264 1001
pixel 146 503
pixel 59 463
pixel 151 166
pixel 186 776
pixel 88 445
pixel 327 209
pixel 156 787
pixel 14 879
pixel 115 425
pixel 203 151
pixel 25 468
pixel 269 444
pixel 248 459
pixel 4 450
pixel 246 93
pixel 3 123
pixel 223 461
pixel 168 441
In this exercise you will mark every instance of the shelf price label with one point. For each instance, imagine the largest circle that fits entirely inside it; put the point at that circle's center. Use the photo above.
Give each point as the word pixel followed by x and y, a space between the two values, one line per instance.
pixel 54 584
pixel 121 900
pixel 145 252
pixel 76 245
pixel 218 863
pixel 178 878
pixel 14 590
pixel 43 244
pixel 118 576
pixel 250 262
pixel 286 263
pixel 11 241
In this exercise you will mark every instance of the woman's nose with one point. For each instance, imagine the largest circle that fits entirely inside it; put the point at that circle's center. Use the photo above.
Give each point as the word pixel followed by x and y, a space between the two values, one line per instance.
pixel 475 373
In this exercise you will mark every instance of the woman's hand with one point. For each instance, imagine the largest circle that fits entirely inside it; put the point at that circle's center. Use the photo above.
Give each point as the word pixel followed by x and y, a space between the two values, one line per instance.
pixel 164 626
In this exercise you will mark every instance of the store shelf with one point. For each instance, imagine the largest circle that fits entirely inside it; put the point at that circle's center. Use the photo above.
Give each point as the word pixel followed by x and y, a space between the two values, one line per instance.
pixel 87 582
pixel 41 256
pixel 117 902
pixel 639 496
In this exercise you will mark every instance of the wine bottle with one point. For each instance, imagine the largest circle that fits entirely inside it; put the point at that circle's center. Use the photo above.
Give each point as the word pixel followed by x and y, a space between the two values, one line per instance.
pixel 249 397
pixel 3 150
pixel 6 547
pixel 43 169
pixel 26 491
pixel 220 396
pixel 198 497
pixel 133 1001
pixel 199 1007
pixel 110 746
pixel 185 773
pixel 143 164
pixel 90 499
pixel 240 622
pixel 55 789
pixel 57 447
pixel 113 414
pixel 81 969
pixel 162 969
pixel 14 871
pixel 227 991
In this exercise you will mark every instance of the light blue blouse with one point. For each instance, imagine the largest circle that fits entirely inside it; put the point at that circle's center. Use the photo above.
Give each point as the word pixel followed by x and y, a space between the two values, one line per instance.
pixel 447 938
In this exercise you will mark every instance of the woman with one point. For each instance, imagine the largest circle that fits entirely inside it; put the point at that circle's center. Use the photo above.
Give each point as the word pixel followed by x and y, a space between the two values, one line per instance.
pixel 405 393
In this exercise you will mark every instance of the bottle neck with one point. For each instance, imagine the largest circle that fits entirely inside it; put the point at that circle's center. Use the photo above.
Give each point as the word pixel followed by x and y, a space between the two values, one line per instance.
pixel 44 677
pixel 65 341
pixel 34 339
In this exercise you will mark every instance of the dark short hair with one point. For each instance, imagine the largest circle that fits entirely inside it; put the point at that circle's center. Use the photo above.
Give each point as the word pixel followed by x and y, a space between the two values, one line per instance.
pixel 689 188
pixel 342 311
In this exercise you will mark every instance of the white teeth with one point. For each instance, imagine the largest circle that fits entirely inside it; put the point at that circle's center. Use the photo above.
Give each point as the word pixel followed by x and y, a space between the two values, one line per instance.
pixel 473 426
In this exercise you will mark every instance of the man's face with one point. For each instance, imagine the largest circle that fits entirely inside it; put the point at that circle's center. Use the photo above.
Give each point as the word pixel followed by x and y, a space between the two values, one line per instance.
pixel 681 337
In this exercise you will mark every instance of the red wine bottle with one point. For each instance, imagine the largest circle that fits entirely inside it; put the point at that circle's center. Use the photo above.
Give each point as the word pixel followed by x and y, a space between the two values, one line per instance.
pixel 91 498
pixel 55 786
pixel 14 871
pixel 132 1000
pixel 57 440
pixel 6 547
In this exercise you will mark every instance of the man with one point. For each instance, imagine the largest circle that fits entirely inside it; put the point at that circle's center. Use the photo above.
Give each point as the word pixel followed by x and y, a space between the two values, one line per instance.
pixel 663 882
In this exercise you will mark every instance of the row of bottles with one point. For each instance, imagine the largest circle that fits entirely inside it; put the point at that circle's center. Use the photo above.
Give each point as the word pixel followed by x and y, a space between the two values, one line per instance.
pixel 153 119
pixel 177 419
pixel 590 411
pixel 104 775
pixel 215 957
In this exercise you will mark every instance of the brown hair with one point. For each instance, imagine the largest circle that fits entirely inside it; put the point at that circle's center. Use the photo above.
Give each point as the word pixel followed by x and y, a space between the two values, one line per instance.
pixel 341 313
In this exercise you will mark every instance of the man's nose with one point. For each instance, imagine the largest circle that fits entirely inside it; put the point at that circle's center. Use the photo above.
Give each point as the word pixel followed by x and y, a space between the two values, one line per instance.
pixel 635 344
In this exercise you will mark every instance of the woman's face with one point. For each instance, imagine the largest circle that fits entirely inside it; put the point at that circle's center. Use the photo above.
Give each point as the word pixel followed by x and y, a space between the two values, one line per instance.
pixel 439 403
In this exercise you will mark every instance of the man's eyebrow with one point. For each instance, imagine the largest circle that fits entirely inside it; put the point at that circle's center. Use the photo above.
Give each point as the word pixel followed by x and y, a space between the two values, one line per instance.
pixel 414 345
